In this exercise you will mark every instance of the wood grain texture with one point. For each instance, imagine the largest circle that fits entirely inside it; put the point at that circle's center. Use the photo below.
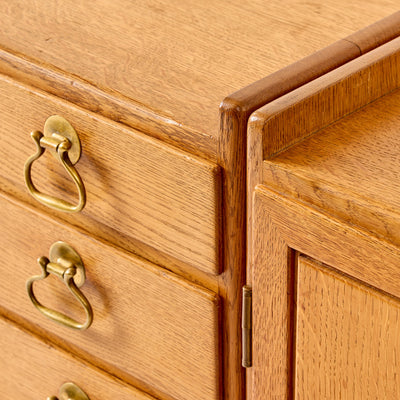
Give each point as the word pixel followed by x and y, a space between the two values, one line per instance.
pixel 376 34
pixel 306 110
pixel 347 339
pixel 350 169
pixel 150 327
pixel 218 68
pixel 233 161
pixel 271 88
pixel 270 374
pixel 105 102
pixel 323 60
pixel 261 131
pixel 317 104
pixel 32 369
pixel 280 225
pixel 179 60
pixel 234 113
pixel 135 185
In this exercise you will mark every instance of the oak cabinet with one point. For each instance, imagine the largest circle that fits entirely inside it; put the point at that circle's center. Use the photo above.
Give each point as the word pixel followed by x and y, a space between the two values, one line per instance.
pixel 162 234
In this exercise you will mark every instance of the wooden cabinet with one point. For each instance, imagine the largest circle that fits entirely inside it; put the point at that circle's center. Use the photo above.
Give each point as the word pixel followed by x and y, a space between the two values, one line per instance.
pixel 163 232
pixel 324 264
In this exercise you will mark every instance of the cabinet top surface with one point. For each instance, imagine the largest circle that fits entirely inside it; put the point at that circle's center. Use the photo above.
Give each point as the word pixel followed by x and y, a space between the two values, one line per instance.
pixel 351 168
pixel 179 58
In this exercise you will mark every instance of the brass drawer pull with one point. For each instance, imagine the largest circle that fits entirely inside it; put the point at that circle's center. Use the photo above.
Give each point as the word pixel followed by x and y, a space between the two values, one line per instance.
pixel 69 391
pixel 66 264
pixel 62 140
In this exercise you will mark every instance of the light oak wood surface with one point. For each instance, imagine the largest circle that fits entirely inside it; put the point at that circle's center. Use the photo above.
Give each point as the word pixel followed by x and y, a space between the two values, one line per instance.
pixel 306 111
pixel 293 117
pixel 179 60
pixel 179 106
pixel 351 167
pixel 150 192
pixel 282 123
pixel 347 340
pixel 150 327
pixel 285 104
pixel 32 369
pixel 283 226
pixel 235 111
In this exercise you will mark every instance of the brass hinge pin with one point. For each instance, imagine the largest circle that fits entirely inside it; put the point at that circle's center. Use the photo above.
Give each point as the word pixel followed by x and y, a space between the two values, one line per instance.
pixel 246 327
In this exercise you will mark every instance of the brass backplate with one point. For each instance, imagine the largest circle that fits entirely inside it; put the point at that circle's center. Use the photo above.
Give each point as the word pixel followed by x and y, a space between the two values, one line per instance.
pixel 61 252
pixel 60 126
pixel 69 391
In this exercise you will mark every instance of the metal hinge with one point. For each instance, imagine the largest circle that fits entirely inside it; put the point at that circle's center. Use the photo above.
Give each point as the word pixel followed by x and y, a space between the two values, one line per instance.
pixel 246 327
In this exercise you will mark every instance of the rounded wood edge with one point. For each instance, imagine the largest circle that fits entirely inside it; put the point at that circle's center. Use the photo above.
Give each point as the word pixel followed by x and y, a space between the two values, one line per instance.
pixel 326 85
pixel 376 34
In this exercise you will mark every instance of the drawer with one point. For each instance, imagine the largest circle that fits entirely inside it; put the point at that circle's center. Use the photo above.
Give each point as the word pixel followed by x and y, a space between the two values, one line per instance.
pixel 31 370
pixel 141 194
pixel 149 325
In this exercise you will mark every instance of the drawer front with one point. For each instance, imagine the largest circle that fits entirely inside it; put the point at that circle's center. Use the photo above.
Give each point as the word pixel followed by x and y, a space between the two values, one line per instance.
pixel 149 325
pixel 147 192
pixel 31 369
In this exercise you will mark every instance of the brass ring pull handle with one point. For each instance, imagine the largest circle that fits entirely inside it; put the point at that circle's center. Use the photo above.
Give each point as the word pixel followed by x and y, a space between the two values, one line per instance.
pixel 62 140
pixel 70 391
pixel 66 264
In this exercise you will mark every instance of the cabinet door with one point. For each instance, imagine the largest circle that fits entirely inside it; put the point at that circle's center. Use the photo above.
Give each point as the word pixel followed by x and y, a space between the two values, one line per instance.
pixel 326 306
pixel 347 342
